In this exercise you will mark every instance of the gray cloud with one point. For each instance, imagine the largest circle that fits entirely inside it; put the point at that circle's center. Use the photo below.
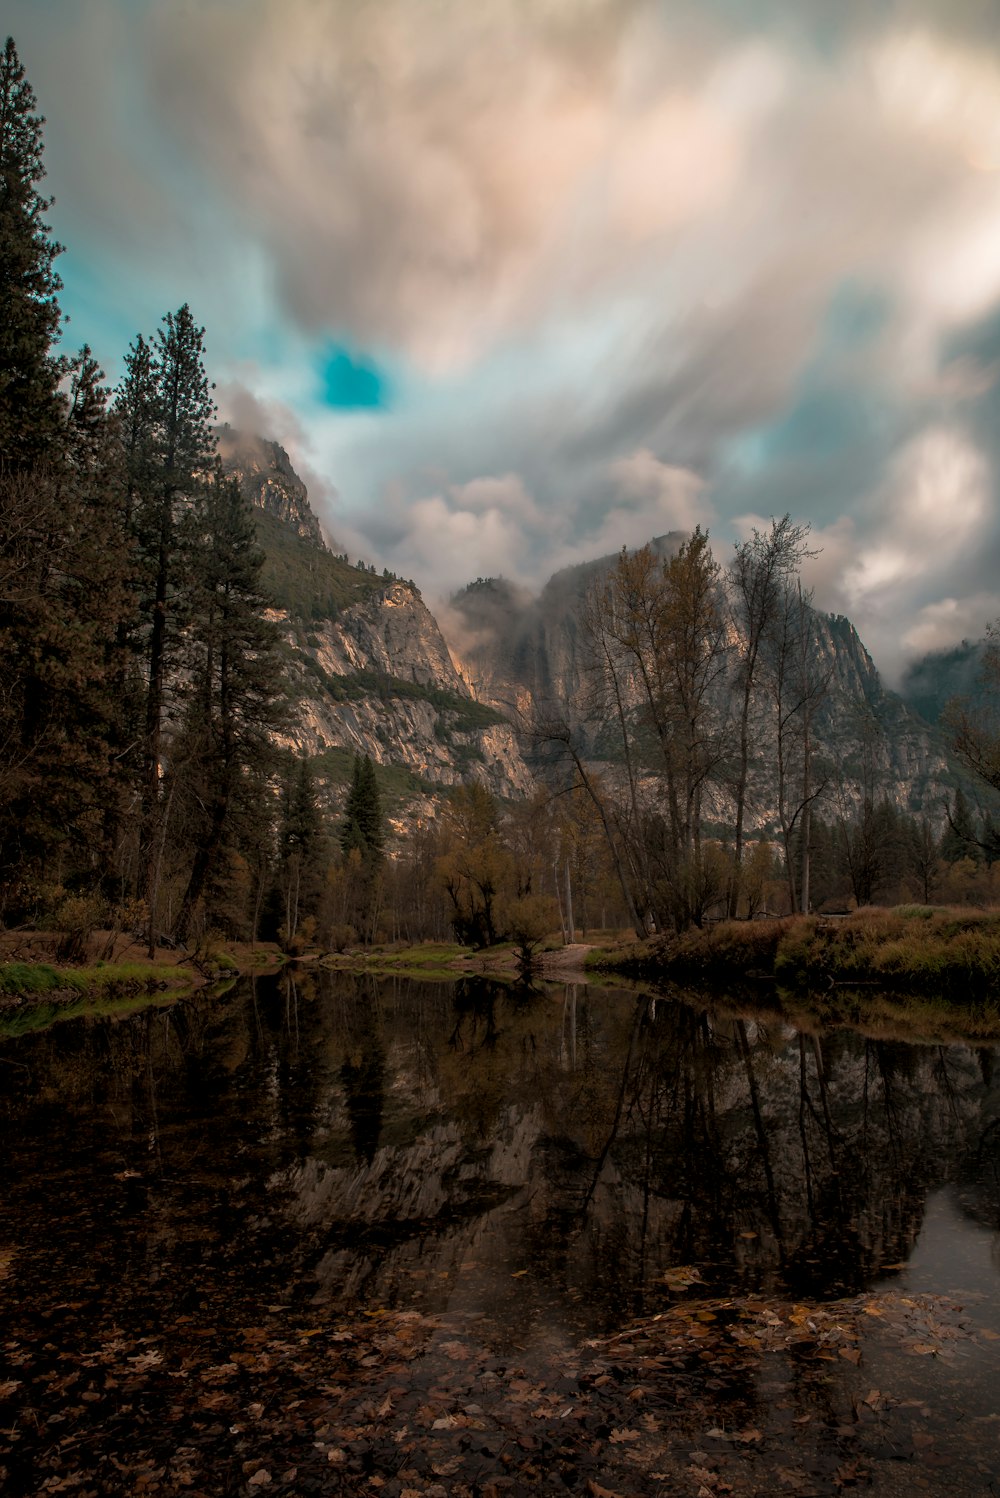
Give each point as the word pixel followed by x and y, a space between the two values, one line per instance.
pixel 630 262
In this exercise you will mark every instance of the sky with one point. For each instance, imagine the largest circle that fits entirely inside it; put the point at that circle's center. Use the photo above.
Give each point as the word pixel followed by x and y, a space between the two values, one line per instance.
pixel 519 282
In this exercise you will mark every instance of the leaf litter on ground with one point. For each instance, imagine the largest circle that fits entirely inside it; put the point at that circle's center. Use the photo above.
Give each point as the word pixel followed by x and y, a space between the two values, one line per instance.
pixel 731 1396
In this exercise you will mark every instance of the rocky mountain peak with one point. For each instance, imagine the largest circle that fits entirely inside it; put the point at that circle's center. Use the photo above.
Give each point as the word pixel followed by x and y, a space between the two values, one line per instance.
pixel 266 477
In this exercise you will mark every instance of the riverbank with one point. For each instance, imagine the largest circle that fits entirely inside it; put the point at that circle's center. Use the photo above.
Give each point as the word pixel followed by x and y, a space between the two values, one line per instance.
pixel 448 961
pixel 948 952
pixel 123 976
pixel 33 981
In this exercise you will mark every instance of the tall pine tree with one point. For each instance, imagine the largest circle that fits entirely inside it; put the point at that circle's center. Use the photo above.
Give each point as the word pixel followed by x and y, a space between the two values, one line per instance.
pixel 61 597
pixel 61 559
pixel 31 407
pixel 234 678
pixel 165 410
pixel 362 827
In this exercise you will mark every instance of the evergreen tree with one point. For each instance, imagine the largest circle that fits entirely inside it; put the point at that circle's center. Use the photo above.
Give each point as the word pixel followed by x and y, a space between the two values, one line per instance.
pixel 960 840
pixel 362 827
pixel 165 409
pixel 135 403
pixel 234 676
pixel 31 408
pixel 62 596
pixel 301 855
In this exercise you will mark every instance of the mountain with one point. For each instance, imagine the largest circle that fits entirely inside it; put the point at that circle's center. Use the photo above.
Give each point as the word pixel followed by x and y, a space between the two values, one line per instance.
pixel 930 681
pixel 367 664
pixel 526 652
pixel 372 671
pixel 268 480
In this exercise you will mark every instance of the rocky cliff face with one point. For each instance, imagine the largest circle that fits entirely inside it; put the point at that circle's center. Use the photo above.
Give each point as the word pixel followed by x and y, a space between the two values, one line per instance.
pixel 532 653
pixel 268 480
pixel 379 680
pixel 373 674
pixel 861 721
pixel 367 665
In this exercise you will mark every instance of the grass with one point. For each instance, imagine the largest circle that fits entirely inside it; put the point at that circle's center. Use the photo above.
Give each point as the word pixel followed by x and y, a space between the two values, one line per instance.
pixel 945 952
pixel 428 960
pixel 433 960
pixel 26 980
pixel 306 582
pixel 58 993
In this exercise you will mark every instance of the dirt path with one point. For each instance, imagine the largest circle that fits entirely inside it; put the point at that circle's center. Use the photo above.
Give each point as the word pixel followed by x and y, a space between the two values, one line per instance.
pixel 567 962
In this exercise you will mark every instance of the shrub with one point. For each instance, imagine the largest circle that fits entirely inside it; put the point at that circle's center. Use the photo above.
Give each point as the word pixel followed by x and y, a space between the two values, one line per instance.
pixel 342 936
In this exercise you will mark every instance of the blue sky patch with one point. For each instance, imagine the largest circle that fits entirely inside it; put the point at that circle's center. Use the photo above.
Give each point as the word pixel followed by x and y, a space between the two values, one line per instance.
pixel 350 382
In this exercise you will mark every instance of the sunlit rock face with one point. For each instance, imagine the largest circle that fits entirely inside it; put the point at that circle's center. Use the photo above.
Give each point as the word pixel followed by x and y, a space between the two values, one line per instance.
pixel 392 632
pixel 374 651
pixel 267 479
pixel 533 654
pixel 374 675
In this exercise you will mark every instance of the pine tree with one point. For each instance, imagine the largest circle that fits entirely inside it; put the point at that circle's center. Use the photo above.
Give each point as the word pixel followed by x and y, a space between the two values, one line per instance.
pixel 960 840
pixel 31 408
pixel 135 403
pixel 62 595
pixel 301 853
pixel 165 410
pixel 362 827
pixel 234 676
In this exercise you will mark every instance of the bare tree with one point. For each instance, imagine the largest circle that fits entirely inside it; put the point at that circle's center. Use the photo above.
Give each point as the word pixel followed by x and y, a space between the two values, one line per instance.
pixel 797 684
pixel 759 578
pixel 658 643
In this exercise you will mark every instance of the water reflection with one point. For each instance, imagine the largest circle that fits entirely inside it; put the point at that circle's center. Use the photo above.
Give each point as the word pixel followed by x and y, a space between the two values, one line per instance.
pixel 565 1158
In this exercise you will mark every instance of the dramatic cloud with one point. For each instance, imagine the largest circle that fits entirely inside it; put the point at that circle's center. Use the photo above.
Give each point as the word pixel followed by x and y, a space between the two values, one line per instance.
pixel 523 283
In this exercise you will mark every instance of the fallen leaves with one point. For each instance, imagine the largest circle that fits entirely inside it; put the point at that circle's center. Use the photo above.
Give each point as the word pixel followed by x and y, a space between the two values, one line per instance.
pixel 416 1403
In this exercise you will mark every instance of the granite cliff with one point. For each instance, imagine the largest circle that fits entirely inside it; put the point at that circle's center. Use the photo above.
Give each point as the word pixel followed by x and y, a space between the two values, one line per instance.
pixel 372 672
pixel 529 653
pixel 367 664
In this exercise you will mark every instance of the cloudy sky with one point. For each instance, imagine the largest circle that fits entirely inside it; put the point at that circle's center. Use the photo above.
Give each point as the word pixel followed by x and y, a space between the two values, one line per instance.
pixel 518 282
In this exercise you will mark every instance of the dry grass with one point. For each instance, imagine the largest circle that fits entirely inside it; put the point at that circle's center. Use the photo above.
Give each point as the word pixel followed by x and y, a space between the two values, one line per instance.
pixel 945 951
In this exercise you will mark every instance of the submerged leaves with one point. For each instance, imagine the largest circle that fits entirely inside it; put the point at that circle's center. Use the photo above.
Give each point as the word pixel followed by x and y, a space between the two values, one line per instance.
pixel 401 1402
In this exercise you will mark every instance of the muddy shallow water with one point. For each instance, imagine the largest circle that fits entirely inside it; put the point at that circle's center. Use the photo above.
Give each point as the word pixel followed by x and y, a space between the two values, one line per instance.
pixel 515 1175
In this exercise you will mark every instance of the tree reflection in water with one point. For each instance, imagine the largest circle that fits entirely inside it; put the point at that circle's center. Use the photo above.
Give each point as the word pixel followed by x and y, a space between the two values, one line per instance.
pixel 570 1155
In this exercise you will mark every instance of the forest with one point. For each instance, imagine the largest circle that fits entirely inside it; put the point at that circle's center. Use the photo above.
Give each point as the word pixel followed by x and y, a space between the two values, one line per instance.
pixel 146 783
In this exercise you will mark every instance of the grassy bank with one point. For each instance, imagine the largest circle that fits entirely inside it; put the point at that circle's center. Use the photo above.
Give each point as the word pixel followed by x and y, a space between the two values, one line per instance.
pixel 430 960
pixel 917 949
pixel 27 980
pixel 33 995
pixel 447 960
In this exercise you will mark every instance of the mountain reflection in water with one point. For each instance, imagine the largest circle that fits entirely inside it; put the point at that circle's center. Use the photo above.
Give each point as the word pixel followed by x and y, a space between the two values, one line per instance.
pixel 565 1159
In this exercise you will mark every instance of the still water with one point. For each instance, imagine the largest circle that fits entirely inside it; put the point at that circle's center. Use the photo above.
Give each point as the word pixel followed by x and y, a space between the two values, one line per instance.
pixel 561 1160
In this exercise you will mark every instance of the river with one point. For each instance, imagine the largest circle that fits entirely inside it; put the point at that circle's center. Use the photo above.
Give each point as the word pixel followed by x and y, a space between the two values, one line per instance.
pixel 544 1166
